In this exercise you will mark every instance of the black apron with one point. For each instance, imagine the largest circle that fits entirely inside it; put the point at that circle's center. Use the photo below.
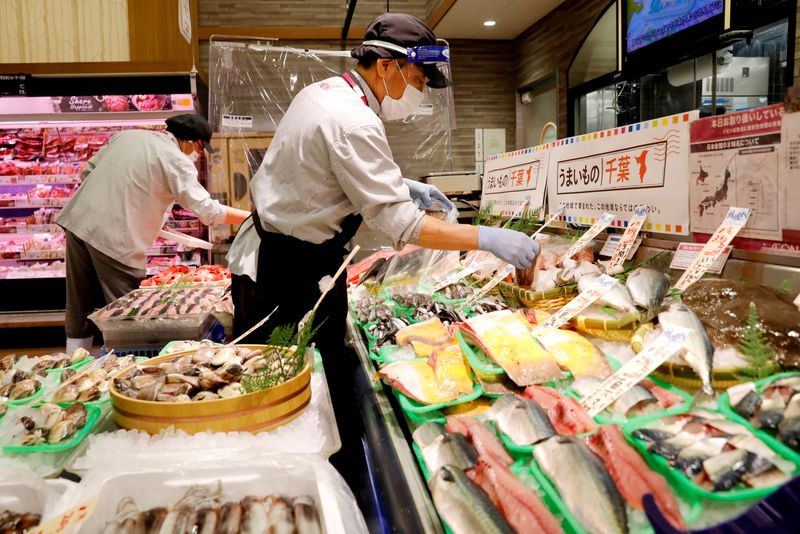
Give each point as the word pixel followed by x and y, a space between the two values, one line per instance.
pixel 289 271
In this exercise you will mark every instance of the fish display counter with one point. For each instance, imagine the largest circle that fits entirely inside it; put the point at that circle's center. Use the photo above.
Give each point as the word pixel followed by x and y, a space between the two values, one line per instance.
pixel 500 416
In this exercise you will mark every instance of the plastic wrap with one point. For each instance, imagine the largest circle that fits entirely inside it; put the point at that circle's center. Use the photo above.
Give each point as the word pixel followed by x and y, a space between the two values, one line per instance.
pixel 163 479
pixel 22 491
pixel 257 80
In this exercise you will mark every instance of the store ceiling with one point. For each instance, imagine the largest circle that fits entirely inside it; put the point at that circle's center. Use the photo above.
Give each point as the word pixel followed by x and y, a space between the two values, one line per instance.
pixel 465 18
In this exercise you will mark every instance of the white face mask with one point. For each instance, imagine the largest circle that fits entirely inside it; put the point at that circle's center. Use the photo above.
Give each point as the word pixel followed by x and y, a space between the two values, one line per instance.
pixel 193 157
pixel 393 109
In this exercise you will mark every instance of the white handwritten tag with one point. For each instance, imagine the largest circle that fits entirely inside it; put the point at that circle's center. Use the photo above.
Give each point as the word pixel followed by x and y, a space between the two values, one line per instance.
pixel 452 279
pixel 662 348
pixel 628 239
pixel 496 279
pixel 797 301
pixel 601 224
pixel 603 284
pixel 734 221
pixel 552 218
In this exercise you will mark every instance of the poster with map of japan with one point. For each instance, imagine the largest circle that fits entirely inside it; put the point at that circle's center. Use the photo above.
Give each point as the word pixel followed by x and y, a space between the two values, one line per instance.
pixel 735 160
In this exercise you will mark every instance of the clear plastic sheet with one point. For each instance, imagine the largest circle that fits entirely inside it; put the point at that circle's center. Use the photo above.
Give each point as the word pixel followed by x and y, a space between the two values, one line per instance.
pixel 259 79
pixel 154 480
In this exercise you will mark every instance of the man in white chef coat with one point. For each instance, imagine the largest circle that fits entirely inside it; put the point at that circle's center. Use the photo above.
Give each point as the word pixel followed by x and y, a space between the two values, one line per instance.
pixel 328 167
pixel 127 191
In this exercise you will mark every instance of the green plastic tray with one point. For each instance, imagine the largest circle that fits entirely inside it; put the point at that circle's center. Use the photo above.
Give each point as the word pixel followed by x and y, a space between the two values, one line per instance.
pixel 685 487
pixel 479 361
pixel 725 407
pixel 26 400
pixel 92 416
pixel 608 417
pixel 411 406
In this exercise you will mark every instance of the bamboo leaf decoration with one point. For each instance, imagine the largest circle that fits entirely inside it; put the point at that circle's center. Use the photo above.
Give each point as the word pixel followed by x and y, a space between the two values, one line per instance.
pixel 757 350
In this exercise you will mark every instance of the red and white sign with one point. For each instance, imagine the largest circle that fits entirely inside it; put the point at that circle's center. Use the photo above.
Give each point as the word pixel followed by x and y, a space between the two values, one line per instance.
pixel 512 179
pixel 715 247
pixel 617 170
pixel 628 239
pixel 601 224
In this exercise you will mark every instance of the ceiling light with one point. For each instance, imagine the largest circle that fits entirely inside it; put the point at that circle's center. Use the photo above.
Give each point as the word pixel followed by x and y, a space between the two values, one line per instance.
pixel 489 23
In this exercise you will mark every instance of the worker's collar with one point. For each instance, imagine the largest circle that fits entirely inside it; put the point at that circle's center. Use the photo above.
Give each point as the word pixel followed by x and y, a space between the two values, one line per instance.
pixel 372 101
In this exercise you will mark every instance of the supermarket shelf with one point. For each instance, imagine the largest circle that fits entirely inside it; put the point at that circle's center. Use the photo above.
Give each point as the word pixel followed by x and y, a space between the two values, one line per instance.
pixel 46 319
pixel 29 229
pixel 27 205
pixel 27 275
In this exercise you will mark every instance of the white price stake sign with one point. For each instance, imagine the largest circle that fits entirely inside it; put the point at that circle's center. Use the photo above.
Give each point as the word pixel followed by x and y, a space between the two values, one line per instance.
pixel 665 346
pixel 603 284
pixel 733 222
pixel 628 239
pixel 499 277
pixel 600 225
pixel 471 268
pixel 552 218
pixel 797 301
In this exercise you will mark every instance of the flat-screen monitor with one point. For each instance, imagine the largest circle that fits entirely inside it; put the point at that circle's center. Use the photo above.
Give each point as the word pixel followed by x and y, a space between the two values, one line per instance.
pixel 657 33
pixel 650 21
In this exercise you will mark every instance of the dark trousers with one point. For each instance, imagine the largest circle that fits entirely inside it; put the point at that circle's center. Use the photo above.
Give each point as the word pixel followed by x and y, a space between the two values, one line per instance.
pixel 93 280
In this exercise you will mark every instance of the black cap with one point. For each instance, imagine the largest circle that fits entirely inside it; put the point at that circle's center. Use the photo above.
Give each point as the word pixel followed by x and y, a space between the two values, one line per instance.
pixel 402 30
pixel 190 127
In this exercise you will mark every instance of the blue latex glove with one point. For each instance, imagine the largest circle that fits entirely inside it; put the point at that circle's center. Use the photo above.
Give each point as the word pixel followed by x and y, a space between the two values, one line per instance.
pixel 428 197
pixel 511 246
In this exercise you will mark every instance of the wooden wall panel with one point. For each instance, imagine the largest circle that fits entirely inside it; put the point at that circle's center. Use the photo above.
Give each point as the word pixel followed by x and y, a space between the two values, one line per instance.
pixel 59 31
pixel 154 32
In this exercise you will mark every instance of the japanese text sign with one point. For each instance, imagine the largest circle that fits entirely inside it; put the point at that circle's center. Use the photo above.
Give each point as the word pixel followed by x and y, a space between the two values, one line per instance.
pixel 68 521
pixel 601 224
pixel 663 347
pixel 602 286
pixel 628 239
pixel 734 221
pixel 736 160
pixel 623 168
pixel 512 179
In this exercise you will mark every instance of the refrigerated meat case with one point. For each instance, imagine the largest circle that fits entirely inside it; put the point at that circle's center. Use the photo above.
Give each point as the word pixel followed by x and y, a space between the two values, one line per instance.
pixel 46 136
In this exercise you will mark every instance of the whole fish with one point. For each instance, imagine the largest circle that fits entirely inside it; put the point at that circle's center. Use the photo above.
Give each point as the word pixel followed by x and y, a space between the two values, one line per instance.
pixel 464 506
pixel 697 350
pixel 521 419
pixel 584 484
pixel 449 449
pixel 618 297
pixel 427 433
pixel 647 287
pixel 484 440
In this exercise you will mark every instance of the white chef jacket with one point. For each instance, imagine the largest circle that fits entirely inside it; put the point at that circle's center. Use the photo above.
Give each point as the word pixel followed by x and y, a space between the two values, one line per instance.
pixel 127 191
pixel 329 158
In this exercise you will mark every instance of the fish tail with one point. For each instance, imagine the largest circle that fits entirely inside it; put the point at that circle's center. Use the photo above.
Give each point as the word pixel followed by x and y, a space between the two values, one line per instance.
pixel 702 397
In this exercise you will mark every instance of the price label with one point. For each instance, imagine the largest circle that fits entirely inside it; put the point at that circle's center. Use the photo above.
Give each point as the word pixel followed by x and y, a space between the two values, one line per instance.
pixel 797 301
pixel 68 521
pixel 611 243
pixel 733 222
pixel 686 253
pixel 601 224
pixel 552 218
pixel 628 239
pixel 579 303
pixel 479 294
pixel 456 277
pixel 665 346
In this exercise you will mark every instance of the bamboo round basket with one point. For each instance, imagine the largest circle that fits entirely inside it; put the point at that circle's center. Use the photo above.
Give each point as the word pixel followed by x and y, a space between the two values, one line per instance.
pixel 252 412
pixel 681 375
